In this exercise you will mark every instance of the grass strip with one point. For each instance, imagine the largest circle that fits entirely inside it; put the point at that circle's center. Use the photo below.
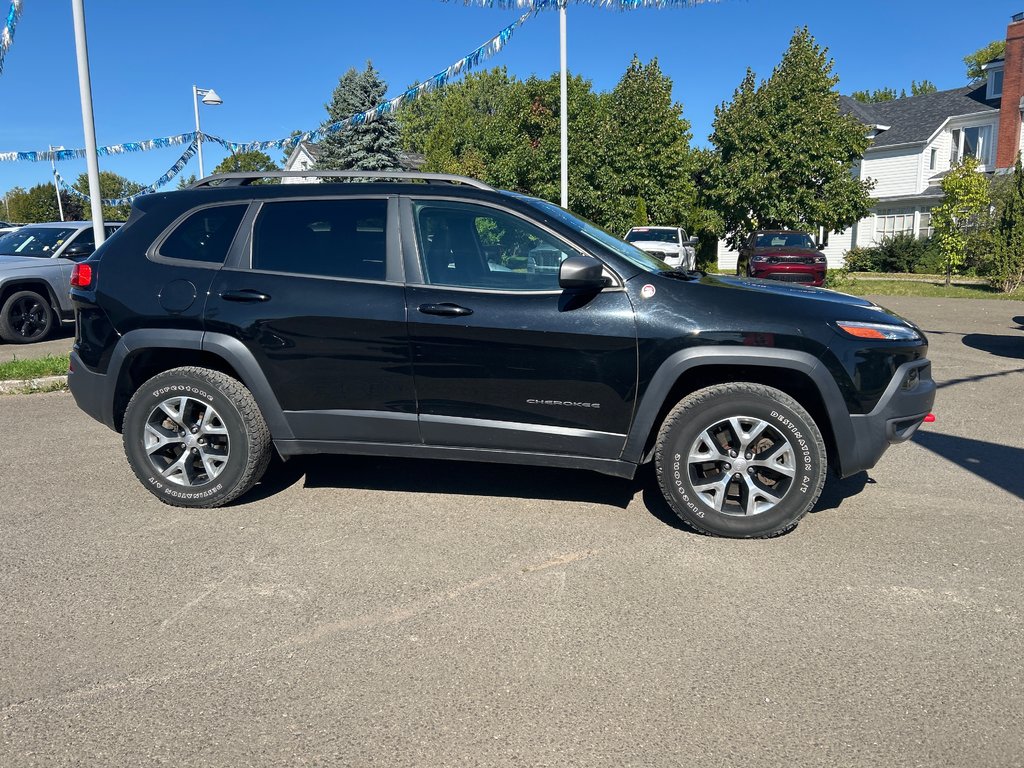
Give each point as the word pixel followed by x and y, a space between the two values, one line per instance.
pixel 51 365
pixel 929 289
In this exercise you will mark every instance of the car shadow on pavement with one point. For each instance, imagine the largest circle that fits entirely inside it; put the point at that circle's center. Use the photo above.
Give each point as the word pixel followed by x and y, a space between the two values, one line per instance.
pixel 495 480
pixel 998 464
pixel 462 478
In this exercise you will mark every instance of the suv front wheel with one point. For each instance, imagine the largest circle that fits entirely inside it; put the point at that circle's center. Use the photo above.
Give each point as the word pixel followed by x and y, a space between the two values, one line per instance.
pixel 743 460
pixel 195 437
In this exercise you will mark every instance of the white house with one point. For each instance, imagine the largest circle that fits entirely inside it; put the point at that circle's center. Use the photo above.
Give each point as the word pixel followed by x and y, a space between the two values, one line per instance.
pixel 304 157
pixel 916 140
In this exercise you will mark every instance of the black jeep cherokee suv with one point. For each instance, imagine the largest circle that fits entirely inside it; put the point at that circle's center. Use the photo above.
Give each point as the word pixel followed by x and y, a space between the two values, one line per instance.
pixel 402 318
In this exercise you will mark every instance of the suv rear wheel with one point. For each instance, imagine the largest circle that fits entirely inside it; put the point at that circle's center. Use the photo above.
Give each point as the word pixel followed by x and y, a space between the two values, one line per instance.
pixel 741 460
pixel 26 317
pixel 195 437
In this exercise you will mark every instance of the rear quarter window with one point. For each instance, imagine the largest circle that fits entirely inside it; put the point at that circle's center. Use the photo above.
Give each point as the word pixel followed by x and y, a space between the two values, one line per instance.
pixel 205 235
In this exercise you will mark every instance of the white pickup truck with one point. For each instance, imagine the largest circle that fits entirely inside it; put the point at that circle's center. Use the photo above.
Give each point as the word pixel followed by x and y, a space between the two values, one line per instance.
pixel 670 244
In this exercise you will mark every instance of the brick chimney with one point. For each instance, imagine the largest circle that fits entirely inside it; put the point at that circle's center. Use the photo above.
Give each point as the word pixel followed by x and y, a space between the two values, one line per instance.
pixel 1008 143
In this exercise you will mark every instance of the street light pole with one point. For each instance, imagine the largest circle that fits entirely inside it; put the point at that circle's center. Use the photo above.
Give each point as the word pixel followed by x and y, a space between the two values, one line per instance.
pixel 88 123
pixel 56 188
pixel 209 97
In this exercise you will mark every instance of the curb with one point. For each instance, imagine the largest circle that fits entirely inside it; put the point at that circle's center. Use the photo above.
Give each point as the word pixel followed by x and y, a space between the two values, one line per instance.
pixel 17 386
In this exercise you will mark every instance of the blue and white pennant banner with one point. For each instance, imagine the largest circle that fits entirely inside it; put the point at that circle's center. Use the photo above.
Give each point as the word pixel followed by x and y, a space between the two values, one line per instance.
pixel 615 5
pixel 173 171
pixel 465 64
pixel 7 32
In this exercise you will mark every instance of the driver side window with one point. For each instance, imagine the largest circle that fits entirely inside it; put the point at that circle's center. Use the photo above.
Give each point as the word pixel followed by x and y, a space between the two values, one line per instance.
pixel 471 246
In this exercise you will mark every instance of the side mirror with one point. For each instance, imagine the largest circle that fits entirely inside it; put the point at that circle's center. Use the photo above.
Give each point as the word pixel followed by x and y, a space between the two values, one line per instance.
pixel 693 241
pixel 78 251
pixel 581 273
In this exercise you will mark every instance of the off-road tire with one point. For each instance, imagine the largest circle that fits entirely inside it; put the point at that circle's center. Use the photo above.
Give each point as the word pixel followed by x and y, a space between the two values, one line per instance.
pixel 725 452
pixel 26 318
pixel 237 446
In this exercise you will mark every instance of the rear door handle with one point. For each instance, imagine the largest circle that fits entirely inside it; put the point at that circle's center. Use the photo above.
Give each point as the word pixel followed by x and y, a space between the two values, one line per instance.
pixel 445 310
pixel 245 294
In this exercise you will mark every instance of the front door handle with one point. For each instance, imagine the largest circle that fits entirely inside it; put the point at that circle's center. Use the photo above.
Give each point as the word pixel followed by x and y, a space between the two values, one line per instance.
pixel 445 310
pixel 246 294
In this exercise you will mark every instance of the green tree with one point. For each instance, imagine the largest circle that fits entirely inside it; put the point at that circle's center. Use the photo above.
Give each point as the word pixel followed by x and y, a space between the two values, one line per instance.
pixel 40 204
pixel 889 94
pixel 1008 257
pixel 184 182
pixel 112 187
pixel 645 149
pixel 782 152
pixel 922 88
pixel 956 219
pixel 975 61
pixel 506 132
pixel 370 146
pixel 877 95
pixel 246 162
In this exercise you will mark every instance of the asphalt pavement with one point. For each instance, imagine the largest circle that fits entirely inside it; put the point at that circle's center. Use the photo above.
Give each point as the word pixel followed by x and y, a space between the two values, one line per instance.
pixel 363 611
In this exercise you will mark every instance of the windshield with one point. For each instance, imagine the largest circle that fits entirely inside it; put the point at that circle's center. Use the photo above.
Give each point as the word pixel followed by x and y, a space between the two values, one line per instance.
pixel 631 253
pixel 641 234
pixel 35 241
pixel 784 240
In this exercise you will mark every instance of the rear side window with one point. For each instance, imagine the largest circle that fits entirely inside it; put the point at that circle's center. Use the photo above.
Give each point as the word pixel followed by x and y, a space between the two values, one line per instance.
pixel 326 238
pixel 204 236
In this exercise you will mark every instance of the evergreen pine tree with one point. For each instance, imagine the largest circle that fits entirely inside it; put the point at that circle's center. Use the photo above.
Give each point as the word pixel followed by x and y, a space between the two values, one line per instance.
pixel 371 146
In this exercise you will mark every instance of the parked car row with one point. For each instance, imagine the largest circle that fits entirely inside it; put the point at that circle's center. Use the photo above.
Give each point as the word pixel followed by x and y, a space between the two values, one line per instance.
pixel 35 271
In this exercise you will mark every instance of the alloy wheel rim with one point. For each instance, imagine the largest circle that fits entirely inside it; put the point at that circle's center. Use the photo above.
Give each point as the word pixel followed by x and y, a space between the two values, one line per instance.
pixel 186 441
pixel 28 317
pixel 741 466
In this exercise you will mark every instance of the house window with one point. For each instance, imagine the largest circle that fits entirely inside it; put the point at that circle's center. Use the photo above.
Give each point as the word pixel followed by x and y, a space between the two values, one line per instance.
pixel 975 141
pixel 893 221
pixel 995 84
pixel 931 159
pixel 924 227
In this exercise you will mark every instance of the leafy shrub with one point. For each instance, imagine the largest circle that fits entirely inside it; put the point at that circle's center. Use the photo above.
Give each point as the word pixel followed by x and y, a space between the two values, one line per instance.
pixel 900 253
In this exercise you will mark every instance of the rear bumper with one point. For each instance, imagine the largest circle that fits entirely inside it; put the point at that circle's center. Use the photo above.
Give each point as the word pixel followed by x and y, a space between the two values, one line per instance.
pixel 93 392
pixel 900 411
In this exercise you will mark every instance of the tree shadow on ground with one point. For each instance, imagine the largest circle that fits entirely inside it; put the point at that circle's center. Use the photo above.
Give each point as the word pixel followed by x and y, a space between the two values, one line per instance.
pixel 1000 465
pixel 1011 346
pixel 463 478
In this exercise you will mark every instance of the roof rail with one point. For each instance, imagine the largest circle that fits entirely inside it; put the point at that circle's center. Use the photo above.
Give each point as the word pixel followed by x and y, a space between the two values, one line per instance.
pixel 245 179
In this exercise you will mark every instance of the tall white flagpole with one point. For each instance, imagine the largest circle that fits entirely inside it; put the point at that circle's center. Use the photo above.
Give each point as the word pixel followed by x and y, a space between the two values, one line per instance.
pixel 565 109
pixel 88 123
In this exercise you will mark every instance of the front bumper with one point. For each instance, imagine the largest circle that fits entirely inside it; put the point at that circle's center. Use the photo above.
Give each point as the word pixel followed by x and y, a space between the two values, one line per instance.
pixel 805 274
pixel 899 412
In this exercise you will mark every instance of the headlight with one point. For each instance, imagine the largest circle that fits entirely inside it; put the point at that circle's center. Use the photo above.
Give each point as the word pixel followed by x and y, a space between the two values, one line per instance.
pixel 820 260
pixel 758 259
pixel 878 331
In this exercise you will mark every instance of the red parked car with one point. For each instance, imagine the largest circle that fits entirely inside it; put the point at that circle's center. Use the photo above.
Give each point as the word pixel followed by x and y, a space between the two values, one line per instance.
pixel 783 254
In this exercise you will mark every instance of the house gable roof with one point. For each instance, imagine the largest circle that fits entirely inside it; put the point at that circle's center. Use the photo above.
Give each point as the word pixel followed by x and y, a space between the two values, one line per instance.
pixel 913 120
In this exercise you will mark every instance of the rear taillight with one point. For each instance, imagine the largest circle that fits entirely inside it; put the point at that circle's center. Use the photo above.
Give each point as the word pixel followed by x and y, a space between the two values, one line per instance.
pixel 81 276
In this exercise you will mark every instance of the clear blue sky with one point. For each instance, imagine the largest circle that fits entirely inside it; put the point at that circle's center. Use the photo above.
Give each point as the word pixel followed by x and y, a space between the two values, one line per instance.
pixel 275 64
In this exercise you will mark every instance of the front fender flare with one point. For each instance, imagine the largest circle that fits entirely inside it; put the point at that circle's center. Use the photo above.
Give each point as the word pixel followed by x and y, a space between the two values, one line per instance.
pixel 678 364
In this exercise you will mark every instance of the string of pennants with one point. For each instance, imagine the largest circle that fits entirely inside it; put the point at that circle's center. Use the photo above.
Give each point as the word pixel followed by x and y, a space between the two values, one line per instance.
pixel 173 171
pixel 463 65
pixel 7 32
pixel 615 5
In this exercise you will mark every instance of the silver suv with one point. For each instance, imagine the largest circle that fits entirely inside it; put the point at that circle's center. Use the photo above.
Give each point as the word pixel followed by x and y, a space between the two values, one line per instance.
pixel 35 270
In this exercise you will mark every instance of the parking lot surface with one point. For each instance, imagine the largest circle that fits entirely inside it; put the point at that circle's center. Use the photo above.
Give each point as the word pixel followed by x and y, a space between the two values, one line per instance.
pixel 361 611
